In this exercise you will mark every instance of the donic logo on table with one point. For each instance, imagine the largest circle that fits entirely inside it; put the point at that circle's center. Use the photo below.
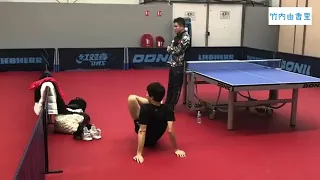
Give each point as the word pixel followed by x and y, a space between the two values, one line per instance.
pixel 21 60
pixel 95 59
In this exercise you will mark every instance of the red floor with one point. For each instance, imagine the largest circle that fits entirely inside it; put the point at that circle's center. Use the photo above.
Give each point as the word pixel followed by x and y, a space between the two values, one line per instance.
pixel 17 119
pixel 261 148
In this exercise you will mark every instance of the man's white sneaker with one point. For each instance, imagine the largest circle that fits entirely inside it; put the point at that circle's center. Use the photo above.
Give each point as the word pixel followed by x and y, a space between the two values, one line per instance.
pixel 86 136
pixel 95 133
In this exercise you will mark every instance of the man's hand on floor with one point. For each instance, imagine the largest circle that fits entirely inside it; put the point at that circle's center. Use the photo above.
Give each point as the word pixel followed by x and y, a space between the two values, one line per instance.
pixel 180 153
pixel 138 158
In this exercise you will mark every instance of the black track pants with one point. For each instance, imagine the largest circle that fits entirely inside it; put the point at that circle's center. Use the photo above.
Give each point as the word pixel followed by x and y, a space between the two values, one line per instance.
pixel 176 75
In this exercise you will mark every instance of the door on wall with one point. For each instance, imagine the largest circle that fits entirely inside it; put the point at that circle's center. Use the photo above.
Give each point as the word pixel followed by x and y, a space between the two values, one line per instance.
pixel 225 24
pixel 198 15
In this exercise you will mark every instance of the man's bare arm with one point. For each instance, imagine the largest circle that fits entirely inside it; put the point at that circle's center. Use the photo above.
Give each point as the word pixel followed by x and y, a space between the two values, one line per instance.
pixel 172 135
pixel 141 138
pixel 141 100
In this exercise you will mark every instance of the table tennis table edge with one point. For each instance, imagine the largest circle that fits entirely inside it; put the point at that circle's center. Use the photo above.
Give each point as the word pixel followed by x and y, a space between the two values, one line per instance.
pixel 275 86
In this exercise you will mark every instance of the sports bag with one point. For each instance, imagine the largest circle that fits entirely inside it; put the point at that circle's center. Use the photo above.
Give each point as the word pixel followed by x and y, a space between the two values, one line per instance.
pixel 77 103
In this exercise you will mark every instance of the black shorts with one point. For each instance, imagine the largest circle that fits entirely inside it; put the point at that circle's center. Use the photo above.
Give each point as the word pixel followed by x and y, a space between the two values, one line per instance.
pixel 150 140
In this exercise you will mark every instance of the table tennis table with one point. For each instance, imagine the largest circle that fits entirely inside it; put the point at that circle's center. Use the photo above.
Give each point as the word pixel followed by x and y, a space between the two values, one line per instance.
pixel 245 75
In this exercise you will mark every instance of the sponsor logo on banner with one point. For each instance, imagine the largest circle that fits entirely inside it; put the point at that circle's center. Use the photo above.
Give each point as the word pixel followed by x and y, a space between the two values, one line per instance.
pixel 299 64
pixel 141 58
pixel 26 59
pixel 91 58
pixel 97 59
pixel 289 62
pixel 151 58
pixel 21 60
pixel 211 57
pixel 214 53
pixel 296 67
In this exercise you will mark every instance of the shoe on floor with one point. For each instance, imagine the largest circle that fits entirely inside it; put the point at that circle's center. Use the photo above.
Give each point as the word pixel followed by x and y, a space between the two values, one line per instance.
pixel 86 135
pixel 95 133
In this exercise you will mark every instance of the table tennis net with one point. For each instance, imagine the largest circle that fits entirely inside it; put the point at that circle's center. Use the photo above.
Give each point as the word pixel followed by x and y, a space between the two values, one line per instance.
pixel 234 64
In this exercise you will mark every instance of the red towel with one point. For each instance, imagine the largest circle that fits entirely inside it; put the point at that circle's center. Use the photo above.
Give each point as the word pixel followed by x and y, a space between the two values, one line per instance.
pixel 38 83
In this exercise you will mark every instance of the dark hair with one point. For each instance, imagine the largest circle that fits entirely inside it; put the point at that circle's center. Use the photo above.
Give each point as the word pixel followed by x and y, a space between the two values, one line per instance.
pixel 156 91
pixel 180 21
pixel 45 74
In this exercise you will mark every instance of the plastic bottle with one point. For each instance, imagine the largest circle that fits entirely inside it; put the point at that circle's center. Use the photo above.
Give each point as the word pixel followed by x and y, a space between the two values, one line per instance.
pixel 199 120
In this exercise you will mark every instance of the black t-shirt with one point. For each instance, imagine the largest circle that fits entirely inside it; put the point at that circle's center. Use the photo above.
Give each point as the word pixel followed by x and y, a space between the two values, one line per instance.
pixel 156 118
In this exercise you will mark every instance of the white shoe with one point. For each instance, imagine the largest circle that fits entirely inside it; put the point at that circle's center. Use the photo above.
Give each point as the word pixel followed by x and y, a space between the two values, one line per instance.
pixel 95 133
pixel 86 136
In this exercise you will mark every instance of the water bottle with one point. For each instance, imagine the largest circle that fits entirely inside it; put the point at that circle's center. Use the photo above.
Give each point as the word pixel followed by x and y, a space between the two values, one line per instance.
pixel 199 120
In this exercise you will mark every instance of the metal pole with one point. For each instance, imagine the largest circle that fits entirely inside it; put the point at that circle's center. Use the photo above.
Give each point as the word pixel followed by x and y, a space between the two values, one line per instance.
pixel 207 24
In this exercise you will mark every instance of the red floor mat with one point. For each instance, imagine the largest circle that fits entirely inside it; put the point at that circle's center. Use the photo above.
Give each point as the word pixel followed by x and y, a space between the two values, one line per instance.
pixel 17 119
pixel 261 148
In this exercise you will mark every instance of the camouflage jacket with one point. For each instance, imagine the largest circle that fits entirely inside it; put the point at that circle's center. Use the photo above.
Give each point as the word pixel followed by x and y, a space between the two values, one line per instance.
pixel 178 48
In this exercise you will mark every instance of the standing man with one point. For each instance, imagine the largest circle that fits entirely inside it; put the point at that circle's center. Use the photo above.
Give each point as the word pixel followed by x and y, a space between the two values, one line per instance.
pixel 178 47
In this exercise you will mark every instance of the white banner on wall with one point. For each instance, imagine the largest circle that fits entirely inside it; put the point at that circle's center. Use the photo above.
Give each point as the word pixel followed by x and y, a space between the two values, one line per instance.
pixel 290 16
pixel 224 14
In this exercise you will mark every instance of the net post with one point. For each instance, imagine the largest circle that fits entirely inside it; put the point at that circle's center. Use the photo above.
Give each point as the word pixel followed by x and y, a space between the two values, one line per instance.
pixel 45 120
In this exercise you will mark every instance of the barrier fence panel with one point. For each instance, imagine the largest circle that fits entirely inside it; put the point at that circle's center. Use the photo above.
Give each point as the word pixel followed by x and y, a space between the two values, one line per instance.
pixel 255 54
pixel 214 53
pixel 35 160
pixel 300 64
pixel 26 59
pixel 46 121
pixel 290 62
pixel 140 58
pixel 144 58
pixel 32 164
pixel 91 58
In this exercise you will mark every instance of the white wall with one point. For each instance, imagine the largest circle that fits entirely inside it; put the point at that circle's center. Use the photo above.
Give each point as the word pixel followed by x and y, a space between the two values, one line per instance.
pixel 80 1
pixel 225 32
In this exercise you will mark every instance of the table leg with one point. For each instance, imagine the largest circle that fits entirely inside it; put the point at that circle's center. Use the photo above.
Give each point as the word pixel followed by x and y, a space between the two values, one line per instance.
pixel 273 94
pixel 232 96
pixel 294 107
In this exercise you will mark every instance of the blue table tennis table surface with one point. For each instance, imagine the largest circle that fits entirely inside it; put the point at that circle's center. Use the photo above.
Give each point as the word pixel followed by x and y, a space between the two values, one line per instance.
pixel 247 74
